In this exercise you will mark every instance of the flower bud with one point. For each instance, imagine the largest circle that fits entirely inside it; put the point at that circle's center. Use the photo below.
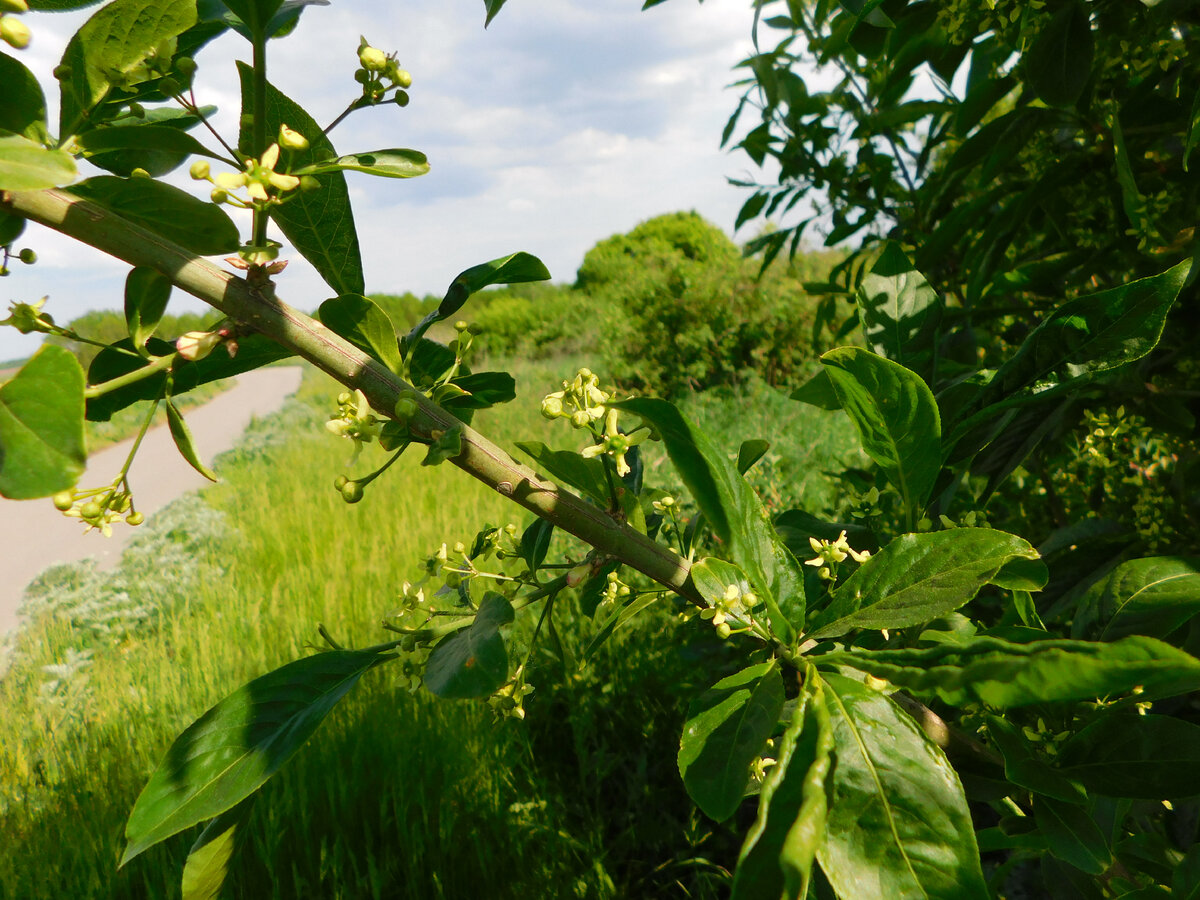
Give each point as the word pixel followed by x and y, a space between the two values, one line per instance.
pixel 372 59
pixel 197 344
pixel 200 170
pixel 292 140
pixel 352 492
pixel 90 510
pixel 309 183
pixel 362 76
pixel 135 518
pixel 14 32
pixel 406 408
pixel 139 173
pixel 64 500
pixel 169 86
pixel 219 196
pixel 185 66
pixel 340 482
pixel 27 256
pixel 401 77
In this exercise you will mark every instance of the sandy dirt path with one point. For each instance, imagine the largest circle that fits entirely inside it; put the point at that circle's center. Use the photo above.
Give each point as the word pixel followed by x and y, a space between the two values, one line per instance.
pixel 34 535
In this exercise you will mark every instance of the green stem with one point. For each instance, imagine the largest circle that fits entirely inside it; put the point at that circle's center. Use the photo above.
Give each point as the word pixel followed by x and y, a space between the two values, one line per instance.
pixel 137 442
pixel 159 365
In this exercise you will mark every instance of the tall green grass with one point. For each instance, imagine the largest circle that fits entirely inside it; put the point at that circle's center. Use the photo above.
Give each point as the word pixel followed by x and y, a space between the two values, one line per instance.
pixel 398 795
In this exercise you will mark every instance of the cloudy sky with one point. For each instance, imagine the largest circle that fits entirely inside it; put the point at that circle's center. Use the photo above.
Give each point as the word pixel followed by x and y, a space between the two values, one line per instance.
pixel 564 122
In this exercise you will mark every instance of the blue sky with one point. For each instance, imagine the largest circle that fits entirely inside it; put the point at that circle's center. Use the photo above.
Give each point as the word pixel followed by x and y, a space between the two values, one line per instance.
pixel 564 122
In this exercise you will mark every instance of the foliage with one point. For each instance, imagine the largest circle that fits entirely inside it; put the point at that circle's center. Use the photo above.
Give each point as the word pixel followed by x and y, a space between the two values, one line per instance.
pixel 926 693
pixel 683 311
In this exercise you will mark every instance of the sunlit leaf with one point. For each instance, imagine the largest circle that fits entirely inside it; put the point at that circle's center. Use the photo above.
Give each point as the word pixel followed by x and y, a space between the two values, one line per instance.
pixel 361 322
pixel 26 166
pixel 394 163
pixel 473 662
pixel 184 442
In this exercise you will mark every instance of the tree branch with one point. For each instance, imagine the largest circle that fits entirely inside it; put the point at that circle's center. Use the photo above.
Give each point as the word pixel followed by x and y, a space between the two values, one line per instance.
pixel 259 310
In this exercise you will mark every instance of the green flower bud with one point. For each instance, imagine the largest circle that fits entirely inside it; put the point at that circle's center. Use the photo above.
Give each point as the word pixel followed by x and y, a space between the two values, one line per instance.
pixel 27 256
pixel 461 325
pixel 406 408
pixel 401 77
pixel 90 510
pixel 169 86
pixel 200 170
pixel 219 196
pixel 14 32
pixel 309 183
pixel 139 173
pixel 340 482
pixel 362 76
pixel 185 66
pixel 352 492
pixel 64 500
pixel 372 59
pixel 135 519
pixel 401 99
pixel 292 140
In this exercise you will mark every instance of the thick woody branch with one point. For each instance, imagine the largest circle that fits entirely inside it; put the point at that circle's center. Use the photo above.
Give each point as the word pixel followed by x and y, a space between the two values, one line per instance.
pixel 258 309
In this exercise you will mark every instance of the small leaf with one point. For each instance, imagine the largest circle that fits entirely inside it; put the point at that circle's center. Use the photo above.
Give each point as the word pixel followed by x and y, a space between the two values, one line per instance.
pixel 778 855
pixel 896 418
pixel 24 109
pixel 899 309
pixel 493 7
pixel 230 752
pixel 1059 61
pixel 156 148
pixel 1004 675
pixel 26 166
pixel 481 390
pixel 751 452
pixel 1148 757
pixel 394 163
pixel 146 296
pixel 918 578
pixel 898 825
pixel 182 436
pixel 42 447
pixel 446 446
pixel 726 729
pixel 473 662
pixel 535 543
pixel 319 223
pixel 203 228
pixel 365 325
pixel 734 510
pixel 818 391
pixel 208 861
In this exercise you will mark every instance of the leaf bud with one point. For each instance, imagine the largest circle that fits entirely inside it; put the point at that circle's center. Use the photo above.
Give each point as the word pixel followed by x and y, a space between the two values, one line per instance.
pixel 200 170
pixel 27 256
pixel 362 76
pixel 62 72
pixel 14 32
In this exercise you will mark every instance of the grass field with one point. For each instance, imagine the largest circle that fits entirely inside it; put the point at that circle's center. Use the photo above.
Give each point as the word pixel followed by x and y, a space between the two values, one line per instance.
pixel 398 795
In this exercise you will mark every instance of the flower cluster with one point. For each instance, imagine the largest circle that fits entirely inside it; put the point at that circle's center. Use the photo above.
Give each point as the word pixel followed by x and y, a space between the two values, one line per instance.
pixel 510 699
pixel 580 400
pixel 379 73
pixel 733 606
pixel 832 553
pixel 13 31
pixel 614 443
pixel 28 318
pixel 99 508
pixel 355 420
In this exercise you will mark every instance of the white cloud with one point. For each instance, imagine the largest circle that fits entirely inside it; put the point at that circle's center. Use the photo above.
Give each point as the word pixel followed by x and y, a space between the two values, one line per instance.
pixel 565 122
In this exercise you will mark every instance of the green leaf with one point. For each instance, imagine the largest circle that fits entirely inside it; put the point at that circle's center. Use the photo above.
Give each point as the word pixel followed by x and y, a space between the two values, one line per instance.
pixel 1004 675
pixel 393 163
pixel 365 325
pixel 726 730
pixel 1147 757
pixel 482 390
pixel 146 296
pixel 1024 767
pixel 1131 199
pixel 42 447
pixel 896 418
pixel 778 855
pixel 230 751
pixel 1059 61
pixel 918 578
pixel 319 223
pixel 182 436
pixel 60 5
pixel 735 512
pixel 712 577
pixel 618 619
pixel 898 825
pixel 156 148
pixel 473 662
pixel 818 391
pixel 899 309
pixel 109 46
pixel 208 861
pixel 1093 334
pixel 204 228
pixel 447 446
pixel 535 543
pixel 751 452
pixel 586 475
pixel 26 166
pixel 1072 835
pixel 254 352
pixel 1152 596
pixel 493 7
pixel 23 111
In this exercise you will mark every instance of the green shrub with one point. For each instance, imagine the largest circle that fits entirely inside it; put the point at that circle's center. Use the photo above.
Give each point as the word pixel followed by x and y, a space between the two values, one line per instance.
pixel 532 321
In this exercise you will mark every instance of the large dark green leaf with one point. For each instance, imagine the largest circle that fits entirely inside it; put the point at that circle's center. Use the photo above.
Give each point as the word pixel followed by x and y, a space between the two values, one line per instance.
pixel 919 577
pixel 1072 835
pixel 896 418
pixel 473 662
pixel 734 511
pixel 41 426
pixel 23 111
pixel 586 475
pixel 208 860
pixel 1094 333
pixel 254 351
pixel 156 148
pixel 1141 757
pixel 1152 596
pixel 146 296
pixel 365 325
pixel 26 166
pixel 898 825
pixel 319 223
pixel 726 730
pixel 899 309
pixel 1025 767
pixel 1058 63
pixel 111 44
pixel 1002 674
pixel 230 751
pixel 392 163
pixel 778 855
pixel 204 228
